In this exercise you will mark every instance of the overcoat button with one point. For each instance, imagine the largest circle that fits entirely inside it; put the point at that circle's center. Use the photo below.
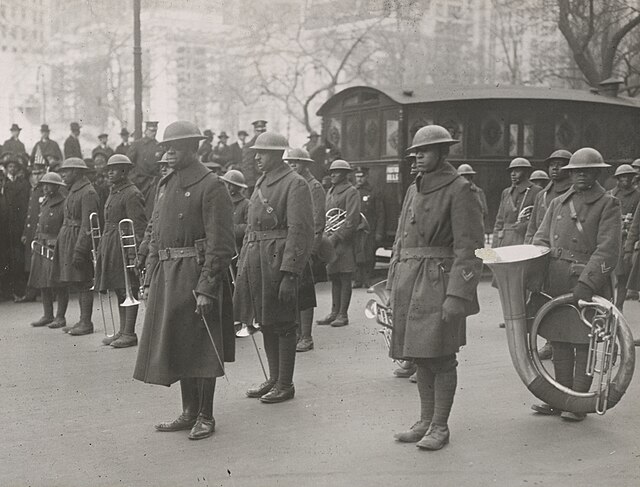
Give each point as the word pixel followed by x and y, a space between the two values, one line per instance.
pixel 180 215
pixel 187 194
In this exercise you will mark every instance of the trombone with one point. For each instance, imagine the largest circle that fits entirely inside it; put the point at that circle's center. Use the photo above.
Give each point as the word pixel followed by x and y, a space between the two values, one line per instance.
pixel 96 235
pixel 127 247
pixel 335 218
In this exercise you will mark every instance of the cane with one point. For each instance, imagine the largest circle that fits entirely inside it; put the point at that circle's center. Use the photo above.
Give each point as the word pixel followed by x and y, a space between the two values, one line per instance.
pixel 215 349
pixel 259 356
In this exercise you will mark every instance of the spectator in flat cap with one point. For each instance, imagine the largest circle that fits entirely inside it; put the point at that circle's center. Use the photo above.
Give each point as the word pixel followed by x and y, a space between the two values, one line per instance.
pixel 103 147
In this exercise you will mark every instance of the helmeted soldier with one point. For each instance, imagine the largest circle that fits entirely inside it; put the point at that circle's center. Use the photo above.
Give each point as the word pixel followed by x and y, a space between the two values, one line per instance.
pixel 72 263
pixel 539 178
pixel 299 160
pixel 629 197
pixel 72 144
pixel 234 181
pixel 583 228
pixel 190 251
pixel 144 154
pixel 48 225
pixel 276 250
pixel 467 172
pixel 102 147
pixel 49 149
pixel 248 166
pixel 123 147
pixel 125 201
pixel 344 200
pixel 13 144
pixel 372 207
pixel 433 278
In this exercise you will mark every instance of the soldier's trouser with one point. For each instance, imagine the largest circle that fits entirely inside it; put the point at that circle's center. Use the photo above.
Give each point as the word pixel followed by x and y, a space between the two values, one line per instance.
pixel 437 382
pixel 128 314
pixel 341 292
pixel 206 389
pixel 280 348
pixel 190 400
pixel 306 322
pixel 62 296
pixel 570 364
pixel 621 290
pixel 85 300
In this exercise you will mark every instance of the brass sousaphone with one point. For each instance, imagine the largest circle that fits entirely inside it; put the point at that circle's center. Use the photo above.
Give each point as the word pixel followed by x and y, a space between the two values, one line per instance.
pixel 610 336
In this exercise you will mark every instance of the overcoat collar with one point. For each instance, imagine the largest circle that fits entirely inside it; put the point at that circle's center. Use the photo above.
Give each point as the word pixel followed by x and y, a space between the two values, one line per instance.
pixel 56 199
pixel 236 198
pixel 623 192
pixel 591 195
pixel 340 188
pixel 438 179
pixel 275 175
pixel 79 184
pixel 116 188
pixel 521 187
pixel 188 176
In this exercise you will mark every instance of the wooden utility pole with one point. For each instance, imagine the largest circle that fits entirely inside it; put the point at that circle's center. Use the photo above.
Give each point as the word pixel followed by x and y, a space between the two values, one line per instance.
pixel 137 69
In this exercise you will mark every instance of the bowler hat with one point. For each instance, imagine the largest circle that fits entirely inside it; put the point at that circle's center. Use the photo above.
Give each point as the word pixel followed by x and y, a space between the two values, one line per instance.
pixel 44 128
pixel 74 126
pixel 15 128
pixel 208 133
pixel 243 132
pixel 223 135
pixel 151 124
pixel 259 123
pixel 124 132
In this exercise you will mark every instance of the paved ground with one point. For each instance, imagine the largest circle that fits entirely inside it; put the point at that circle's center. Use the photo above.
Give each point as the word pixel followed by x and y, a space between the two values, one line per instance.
pixel 72 416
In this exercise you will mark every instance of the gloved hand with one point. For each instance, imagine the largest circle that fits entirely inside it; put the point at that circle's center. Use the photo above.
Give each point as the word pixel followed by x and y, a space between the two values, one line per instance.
pixel 288 288
pixel 453 309
pixel 582 291
pixel 204 305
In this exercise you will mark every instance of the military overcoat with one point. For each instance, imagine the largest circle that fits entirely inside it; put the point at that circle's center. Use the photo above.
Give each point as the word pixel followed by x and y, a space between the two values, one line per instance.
pixel 190 249
pixel 372 207
pixel 629 199
pixel 278 239
pixel 74 238
pixel 541 204
pixel 31 223
pixel 145 153
pixel 507 230
pixel 440 228
pixel 318 197
pixel 240 216
pixel 49 223
pixel 345 197
pixel 583 231
pixel 124 201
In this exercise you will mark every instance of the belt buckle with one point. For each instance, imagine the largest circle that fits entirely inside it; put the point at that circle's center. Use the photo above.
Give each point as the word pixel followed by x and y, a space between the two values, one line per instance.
pixel 164 254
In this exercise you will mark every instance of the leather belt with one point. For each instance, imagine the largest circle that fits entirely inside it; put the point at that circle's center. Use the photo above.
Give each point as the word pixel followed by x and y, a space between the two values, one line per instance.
pixel 176 253
pixel 426 253
pixel 110 226
pixel 70 222
pixel 572 256
pixel 267 235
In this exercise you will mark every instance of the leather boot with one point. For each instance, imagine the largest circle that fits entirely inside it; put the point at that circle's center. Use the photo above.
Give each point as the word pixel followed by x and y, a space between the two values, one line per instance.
pixel 205 424
pixel 336 287
pixel 284 389
pixel 62 297
pixel 414 434
pixel 262 389
pixel 190 403
pixel 341 320
pixel 128 337
pixel 405 372
pixel 47 305
pixel 436 437
pixel 271 348
pixel 111 339
pixel 84 326
pixel 305 342
pixel 327 320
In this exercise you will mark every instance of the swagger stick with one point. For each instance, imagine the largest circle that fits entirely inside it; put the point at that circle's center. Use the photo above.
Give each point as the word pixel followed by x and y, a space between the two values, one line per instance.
pixel 215 349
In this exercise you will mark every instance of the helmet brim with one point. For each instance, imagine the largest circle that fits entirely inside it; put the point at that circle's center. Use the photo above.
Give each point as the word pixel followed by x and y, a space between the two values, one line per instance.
pixel 191 137
pixel 443 142
pixel 269 147
pixel 600 165
pixel 298 159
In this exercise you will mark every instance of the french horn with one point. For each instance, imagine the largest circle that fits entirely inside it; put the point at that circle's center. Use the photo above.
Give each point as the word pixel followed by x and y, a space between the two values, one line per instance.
pixel 610 335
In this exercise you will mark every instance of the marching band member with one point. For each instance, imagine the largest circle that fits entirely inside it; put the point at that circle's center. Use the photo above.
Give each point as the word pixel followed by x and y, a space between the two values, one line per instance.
pixel 49 223
pixel 276 249
pixel 345 197
pixel 583 228
pixel 72 263
pixel 190 251
pixel 433 279
pixel 125 201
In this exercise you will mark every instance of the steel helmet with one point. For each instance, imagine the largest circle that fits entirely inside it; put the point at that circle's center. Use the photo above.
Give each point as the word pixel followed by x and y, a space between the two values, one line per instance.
pixel 51 178
pixel 431 135
pixel 636 163
pixel 340 165
pixel 464 169
pixel 559 154
pixel 584 158
pixel 297 154
pixel 270 141
pixel 623 169
pixel 119 159
pixel 538 174
pixel 74 163
pixel 520 162
pixel 234 177
pixel 181 130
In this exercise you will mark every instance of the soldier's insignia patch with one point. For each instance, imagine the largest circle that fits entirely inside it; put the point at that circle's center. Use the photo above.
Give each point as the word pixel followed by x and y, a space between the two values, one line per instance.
pixel 604 268
pixel 467 276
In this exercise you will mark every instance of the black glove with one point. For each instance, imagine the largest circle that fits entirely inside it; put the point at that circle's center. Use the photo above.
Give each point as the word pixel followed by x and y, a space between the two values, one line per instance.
pixel 453 309
pixel 582 291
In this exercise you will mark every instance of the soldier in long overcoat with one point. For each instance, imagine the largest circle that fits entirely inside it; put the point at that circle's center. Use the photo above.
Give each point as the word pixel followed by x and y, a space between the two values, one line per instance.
pixel 72 263
pixel 125 201
pixel 276 249
pixel 629 196
pixel 48 225
pixel 343 197
pixel 300 161
pixel 467 172
pixel 188 328
pixel 583 228
pixel 144 153
pixel 516 205
pixel 433 279
pixel 248 166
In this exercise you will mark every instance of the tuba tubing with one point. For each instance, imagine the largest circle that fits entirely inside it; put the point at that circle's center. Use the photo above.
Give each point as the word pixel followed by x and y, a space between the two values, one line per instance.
pixel 511 265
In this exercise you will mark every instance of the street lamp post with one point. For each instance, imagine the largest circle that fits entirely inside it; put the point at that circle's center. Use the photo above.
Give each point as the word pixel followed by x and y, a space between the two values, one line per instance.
pixel 137 69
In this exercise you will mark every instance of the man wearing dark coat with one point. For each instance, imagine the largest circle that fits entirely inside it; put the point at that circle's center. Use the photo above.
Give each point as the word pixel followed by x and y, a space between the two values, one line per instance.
pixel 144 154
pixel 123 147
pixel 72 144
pixel 49 149
pixel 125 201
pixel 318 152
pixel 277 248
pixel 583 229
pixel 248 166
pixel 72 265
pixel 206 147
pixel 343 198
pixel 14 144
pixel 433 278
pixel 102 147
pixel 222 152
pixel 236 149
pixel 188 331
pixel 234 180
